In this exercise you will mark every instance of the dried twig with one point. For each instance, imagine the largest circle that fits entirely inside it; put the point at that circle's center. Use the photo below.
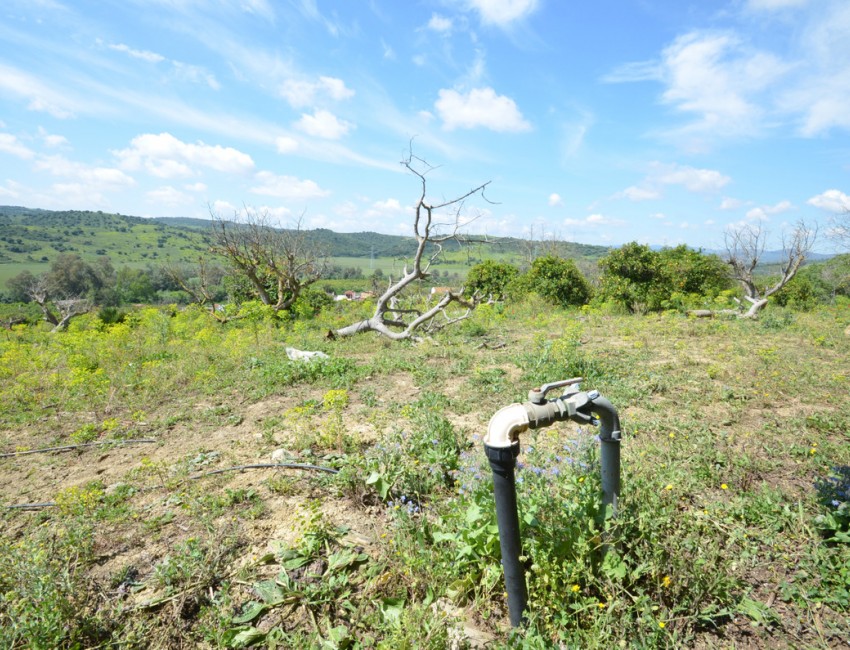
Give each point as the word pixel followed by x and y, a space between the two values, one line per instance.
pixel 69 447
pixel 267 465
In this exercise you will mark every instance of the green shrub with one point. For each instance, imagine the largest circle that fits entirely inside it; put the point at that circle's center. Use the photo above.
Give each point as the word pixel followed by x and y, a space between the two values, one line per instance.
pixel 555 279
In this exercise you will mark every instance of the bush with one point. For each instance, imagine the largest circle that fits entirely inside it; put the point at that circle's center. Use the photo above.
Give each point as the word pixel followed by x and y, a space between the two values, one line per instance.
pixel 491 278
pixel 555 279
pixel 640 279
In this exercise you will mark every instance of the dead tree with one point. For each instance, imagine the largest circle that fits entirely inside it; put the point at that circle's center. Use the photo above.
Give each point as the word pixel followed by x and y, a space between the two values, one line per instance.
pixel 390 318
pixel 840 230
pixel 744 250
pixel 279 264
pixel 199 290
pixel 57 312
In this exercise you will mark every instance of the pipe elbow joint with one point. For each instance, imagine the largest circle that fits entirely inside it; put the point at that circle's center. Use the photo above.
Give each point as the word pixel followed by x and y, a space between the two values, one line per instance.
pixel 609 419
pixel 506 425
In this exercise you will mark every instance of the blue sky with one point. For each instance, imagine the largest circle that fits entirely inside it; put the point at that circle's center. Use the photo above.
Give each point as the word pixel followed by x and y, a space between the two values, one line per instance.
pixel 658 121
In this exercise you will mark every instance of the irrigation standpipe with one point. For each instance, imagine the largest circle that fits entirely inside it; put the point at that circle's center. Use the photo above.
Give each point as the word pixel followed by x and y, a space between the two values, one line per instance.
pixel 501 445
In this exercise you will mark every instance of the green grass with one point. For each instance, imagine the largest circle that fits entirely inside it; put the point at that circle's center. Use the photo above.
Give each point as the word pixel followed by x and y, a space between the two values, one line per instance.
pixel 735 452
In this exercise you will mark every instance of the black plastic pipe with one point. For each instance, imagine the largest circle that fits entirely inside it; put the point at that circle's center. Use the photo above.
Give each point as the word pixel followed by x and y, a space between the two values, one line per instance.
pixel 503 463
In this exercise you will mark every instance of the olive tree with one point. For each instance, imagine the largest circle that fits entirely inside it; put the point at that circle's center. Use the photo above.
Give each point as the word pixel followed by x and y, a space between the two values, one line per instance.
pixel 277 263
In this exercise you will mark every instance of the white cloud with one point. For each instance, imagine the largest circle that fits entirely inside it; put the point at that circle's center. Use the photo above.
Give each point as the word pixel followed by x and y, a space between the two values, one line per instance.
pixel 822 93
pixel 335 88
pixel 286 144
pixel 831 200
pixel 85 184
pixel 555 200
pixel 387 208
pixel 224 209
pixel 300 92
pixel 287 187
pixel 165 156
pixel 11 145
pixel 502 12
pixel 729 203
pixel 323 124
pixel 765 210
pixel 716 78
pixel 762 213
pixel 479 107
pixel 440 23
pixel 196 187
pixel 144 55
pixel 692 179
pixel 169 196
pixel 634 193
pixel 52 141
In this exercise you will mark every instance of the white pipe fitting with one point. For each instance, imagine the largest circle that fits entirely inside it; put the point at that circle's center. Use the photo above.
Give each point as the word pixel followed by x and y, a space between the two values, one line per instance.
pixel 506 425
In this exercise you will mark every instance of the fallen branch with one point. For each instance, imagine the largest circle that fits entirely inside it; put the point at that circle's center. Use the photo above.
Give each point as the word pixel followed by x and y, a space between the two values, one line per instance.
pixel 69 447
pixel 316 468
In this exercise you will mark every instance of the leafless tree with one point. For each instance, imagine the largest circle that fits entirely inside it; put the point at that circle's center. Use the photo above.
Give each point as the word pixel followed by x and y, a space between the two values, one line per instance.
pixel 56 311
pixel 198 284
pixel 744 251
pixel 278 263
pixel 398 322
pixel 840 230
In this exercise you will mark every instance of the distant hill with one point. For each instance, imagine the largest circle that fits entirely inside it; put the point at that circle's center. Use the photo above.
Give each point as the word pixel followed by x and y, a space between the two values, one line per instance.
pixel 28 235
pixel 31 236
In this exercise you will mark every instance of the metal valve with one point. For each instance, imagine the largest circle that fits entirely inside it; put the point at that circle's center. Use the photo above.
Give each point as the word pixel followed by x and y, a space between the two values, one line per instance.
pixel 538 395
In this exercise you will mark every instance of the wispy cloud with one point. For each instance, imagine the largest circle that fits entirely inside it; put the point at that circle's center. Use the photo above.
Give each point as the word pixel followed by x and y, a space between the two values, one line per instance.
pixel 40 96
pixel 11 145
pixel 144 55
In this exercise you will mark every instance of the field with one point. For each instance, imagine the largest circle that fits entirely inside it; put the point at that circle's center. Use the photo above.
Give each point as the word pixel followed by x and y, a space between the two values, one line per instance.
pixel 732 529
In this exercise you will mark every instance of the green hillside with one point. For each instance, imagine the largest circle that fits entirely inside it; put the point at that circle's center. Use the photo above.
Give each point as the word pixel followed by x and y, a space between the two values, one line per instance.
pixel 30 239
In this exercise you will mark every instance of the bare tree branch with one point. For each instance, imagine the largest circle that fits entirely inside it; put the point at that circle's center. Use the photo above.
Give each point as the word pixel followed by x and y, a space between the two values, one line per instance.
pixel 389 318
pixel 744 250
